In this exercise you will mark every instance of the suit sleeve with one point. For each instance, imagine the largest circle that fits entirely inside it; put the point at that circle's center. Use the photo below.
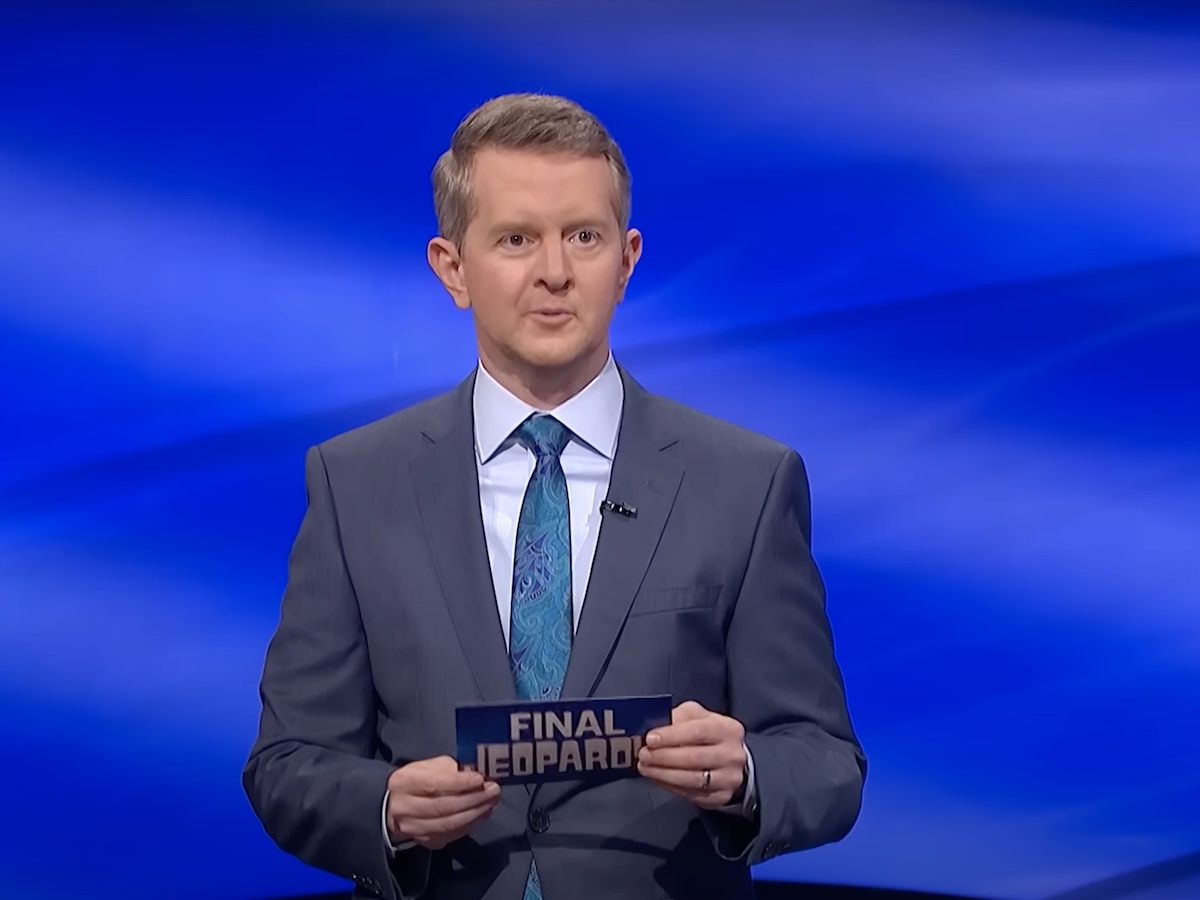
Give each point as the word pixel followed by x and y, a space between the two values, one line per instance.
pixel 786 689
pixel 313 776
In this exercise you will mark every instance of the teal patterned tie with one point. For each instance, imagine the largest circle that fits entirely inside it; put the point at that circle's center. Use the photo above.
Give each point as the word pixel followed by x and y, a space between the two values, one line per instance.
pixel 540 629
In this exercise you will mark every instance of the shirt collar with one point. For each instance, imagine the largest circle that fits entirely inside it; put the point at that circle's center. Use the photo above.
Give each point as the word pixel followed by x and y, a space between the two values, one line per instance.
pixel 593 416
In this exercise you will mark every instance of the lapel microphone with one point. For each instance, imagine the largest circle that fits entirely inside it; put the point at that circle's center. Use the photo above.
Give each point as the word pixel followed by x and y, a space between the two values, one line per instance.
pixel 620 508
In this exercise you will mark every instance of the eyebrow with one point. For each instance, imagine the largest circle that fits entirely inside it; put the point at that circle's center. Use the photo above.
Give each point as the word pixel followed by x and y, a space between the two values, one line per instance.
pixel 505 227
pixel 573 225
pixel 593 224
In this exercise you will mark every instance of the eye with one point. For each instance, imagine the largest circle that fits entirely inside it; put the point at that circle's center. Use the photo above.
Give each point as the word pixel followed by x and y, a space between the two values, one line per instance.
pixel 513 240
pixel 586 236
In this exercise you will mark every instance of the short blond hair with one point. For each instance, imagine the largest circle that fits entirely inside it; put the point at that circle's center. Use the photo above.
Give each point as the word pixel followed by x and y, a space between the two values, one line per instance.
pixel 537 122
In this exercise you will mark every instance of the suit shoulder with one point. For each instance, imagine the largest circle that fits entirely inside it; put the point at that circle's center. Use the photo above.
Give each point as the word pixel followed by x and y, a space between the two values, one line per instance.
pixel 724 440
pixel 395 436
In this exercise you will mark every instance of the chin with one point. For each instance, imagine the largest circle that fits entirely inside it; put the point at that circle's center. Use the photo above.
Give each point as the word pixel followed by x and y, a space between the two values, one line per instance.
pixel 553 352
pixel 553 361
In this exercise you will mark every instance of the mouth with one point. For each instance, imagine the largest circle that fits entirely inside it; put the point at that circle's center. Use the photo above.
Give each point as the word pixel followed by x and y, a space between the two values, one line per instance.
pixel 551 314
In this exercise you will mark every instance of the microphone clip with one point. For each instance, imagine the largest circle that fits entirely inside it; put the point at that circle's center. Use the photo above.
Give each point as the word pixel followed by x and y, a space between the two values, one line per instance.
pixel 619 508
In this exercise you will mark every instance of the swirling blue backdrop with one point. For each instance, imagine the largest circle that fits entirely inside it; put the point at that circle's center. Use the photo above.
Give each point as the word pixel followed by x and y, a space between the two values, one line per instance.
pixel 949 251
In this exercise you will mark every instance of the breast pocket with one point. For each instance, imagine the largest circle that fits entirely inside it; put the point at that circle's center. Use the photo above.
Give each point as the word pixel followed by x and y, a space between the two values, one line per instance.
pixel 675 599
pixel 683 624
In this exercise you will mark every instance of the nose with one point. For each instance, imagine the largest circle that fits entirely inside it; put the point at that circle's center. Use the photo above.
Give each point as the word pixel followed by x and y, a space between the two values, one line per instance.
pixel 554 268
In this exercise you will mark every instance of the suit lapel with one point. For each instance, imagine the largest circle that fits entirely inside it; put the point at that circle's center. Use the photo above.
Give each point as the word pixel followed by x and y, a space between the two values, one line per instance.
pixel 647 479
pixel 447 487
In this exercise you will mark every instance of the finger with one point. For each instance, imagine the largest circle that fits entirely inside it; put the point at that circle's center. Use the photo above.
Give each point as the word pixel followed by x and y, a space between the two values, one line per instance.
pixel 425 822
pixel 721 779
pixel 444 829
pixel 694 759
pixel 697 732
pixel 452 779
pixel 688 785
pixel 434 782
pixel 422 807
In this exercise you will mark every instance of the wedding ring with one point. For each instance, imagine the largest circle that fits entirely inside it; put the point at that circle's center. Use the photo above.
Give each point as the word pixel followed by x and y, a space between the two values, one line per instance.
pixel 707 779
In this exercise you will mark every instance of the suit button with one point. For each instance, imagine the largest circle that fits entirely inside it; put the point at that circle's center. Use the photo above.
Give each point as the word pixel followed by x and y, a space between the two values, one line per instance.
pixel 539 821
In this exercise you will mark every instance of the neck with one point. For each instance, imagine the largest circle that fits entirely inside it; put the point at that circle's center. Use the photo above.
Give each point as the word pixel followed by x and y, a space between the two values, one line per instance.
pixel 545 388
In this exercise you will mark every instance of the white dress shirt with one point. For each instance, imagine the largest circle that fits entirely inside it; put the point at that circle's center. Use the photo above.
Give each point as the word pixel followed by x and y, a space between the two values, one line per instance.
pixel 504 466
pixel 593 416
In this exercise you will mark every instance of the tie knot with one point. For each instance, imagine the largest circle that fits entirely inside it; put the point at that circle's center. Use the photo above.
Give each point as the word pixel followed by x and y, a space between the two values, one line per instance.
pixel 544 435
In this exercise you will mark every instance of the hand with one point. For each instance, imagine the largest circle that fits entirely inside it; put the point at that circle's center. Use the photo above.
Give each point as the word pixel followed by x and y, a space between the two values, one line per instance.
pixel 433 803
pixel 676 756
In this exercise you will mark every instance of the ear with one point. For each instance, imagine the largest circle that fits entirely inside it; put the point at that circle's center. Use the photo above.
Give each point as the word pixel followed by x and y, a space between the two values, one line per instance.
pixel 629 258
pixel 446 262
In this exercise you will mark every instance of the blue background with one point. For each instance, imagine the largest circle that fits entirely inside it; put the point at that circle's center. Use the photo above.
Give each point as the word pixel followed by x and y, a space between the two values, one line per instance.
pixel 949 251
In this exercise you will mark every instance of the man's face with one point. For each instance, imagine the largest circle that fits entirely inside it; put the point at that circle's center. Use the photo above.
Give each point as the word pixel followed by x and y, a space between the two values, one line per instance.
pixel 543 262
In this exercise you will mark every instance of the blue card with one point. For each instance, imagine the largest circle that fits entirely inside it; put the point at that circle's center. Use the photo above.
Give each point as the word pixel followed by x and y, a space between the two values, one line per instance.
pixel 558 740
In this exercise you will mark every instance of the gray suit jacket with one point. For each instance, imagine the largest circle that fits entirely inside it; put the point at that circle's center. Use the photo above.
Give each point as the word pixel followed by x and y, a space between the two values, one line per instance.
pixel 389 621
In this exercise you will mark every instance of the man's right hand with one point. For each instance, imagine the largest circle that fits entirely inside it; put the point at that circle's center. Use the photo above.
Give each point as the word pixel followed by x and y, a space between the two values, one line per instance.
pixel 433 803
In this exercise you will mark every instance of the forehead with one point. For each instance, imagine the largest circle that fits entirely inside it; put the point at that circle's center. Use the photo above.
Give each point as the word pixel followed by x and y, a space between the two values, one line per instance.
pixel 530 185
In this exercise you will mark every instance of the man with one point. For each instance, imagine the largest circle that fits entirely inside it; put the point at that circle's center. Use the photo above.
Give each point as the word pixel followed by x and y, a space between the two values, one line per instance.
pixel 457 552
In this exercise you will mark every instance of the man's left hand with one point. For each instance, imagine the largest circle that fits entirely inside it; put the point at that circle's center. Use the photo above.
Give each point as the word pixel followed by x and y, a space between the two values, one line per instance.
pixel 700 756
